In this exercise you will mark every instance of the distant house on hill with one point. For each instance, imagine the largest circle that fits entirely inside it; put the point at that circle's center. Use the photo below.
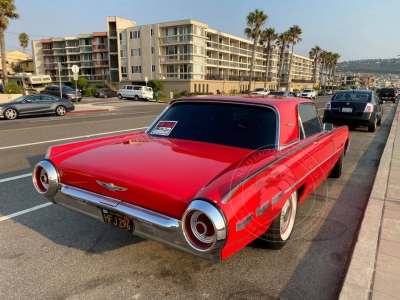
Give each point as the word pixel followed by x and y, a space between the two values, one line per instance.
pixel 16 57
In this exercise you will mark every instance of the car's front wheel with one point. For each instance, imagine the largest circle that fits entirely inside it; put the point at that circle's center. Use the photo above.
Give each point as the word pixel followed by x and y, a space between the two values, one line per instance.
pixel 119 96
pixel 282 226
pixel 61 110
pixel 136 97
pixel 10 114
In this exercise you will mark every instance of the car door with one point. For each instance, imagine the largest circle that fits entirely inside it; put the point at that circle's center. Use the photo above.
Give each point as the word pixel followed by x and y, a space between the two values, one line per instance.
pixel 31 105
pixel 48 103
pixel 323 141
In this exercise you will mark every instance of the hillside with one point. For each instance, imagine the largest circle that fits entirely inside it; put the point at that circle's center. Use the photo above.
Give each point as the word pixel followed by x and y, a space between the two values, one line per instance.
pixel 378 66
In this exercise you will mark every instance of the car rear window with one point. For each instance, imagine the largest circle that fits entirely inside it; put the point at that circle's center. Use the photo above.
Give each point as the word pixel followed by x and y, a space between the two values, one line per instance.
pixel 243 126
pixel 277 93
pixel 349 96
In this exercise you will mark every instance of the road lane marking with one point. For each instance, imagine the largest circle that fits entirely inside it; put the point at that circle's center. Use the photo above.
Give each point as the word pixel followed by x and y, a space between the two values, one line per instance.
pixel 15 177
pixel 71 138
pixel 25 211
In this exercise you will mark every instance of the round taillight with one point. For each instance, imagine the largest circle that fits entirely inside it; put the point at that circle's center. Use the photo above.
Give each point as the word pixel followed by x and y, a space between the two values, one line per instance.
pixel 203 226
pixel 45 178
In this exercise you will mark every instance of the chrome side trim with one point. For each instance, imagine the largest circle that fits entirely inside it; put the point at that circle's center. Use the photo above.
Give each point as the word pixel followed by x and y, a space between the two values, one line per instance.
pixel 277 198
pixel 262 209
pixel 289 144
pixel 147 224
pixel 302 178
pixel 242 224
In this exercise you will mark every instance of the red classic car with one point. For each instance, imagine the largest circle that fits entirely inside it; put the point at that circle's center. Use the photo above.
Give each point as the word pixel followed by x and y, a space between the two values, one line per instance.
pixel 209 176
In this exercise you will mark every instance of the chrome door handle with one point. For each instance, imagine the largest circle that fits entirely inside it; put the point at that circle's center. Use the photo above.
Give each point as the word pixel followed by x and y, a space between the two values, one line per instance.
pixel 315 143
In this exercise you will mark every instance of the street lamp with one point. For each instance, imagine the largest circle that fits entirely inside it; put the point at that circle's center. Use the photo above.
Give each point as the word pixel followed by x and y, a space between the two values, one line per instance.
pixel 59 76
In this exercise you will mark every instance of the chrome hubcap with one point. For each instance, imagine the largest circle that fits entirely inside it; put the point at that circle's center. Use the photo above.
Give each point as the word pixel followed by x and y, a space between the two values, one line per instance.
pixel 285 215
pixel 61 110
pixel 11 114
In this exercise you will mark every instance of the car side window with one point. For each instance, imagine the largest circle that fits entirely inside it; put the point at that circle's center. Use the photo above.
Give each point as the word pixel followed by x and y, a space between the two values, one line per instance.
pixel 137 88
pixel 129 87
pixel 310 121
pixel 46 98
pixel 35 99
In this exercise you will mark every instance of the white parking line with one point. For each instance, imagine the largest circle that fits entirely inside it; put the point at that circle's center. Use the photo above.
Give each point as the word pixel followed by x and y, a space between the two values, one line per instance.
pixel 24 211
pixel 321 108
pixel 15 177
pixel 71 138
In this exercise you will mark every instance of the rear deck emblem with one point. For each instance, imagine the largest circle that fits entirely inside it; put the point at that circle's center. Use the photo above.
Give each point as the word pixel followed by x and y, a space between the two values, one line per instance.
pixel 111 186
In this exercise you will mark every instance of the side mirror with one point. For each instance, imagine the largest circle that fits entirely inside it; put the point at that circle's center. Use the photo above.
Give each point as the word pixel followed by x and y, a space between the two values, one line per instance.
pixel 328 126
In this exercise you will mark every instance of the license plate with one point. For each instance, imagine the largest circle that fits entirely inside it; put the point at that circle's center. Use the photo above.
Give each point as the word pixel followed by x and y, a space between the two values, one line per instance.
pixel 347 109
pixel 117 219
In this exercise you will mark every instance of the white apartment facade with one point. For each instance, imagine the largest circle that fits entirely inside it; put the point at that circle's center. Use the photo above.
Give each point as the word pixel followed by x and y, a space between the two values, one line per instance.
pixel 185 55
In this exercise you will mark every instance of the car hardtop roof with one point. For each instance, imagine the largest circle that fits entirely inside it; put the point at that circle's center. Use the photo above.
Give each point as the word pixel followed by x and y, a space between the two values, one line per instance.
pixel 354 91
pixel 277 101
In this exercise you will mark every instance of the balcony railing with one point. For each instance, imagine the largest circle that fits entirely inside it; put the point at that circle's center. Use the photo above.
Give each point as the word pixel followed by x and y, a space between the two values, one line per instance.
pixel 176 39
pixel 87 49
pixel 101 47
pixel 101 63
pixel 231 77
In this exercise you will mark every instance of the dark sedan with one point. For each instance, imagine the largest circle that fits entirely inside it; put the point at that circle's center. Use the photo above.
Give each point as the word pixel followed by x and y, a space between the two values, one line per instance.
pixel 66 91
pixel 354 108
pixel 105 93
pixel 39 104
pixel 282 93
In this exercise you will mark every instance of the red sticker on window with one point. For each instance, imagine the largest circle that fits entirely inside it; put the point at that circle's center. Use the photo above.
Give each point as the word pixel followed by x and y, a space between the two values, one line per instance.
pixel 164 128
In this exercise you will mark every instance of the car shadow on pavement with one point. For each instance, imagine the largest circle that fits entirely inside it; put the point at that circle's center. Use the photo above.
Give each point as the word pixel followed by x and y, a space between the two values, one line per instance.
pixel 58 224
pixel 321 271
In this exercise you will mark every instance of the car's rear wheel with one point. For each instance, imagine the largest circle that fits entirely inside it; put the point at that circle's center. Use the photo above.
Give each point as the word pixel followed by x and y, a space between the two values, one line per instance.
pixel 136 97
pixel 61 110
pixel 105 96
pixel 10 114
pixel 119 96
pixel 372 128
pixel 337 169
pixel 282 226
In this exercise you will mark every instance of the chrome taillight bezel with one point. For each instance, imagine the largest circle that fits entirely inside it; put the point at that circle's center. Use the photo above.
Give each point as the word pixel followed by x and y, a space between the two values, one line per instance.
pixel 45 178
pixel 214 216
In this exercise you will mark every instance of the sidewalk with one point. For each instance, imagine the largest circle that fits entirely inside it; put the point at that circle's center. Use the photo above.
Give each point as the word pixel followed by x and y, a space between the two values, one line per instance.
pixel 88 108
pixel 374 270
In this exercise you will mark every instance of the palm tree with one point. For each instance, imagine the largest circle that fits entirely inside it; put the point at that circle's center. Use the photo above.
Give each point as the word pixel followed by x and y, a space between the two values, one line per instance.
pixel 283 42
pixel 255 20
pixel 329 63
pixel 335 58
pixel 7 11
pixel 323 58
pixel 315 54
pixel 23 40
pixel 267 36
pixel 294 32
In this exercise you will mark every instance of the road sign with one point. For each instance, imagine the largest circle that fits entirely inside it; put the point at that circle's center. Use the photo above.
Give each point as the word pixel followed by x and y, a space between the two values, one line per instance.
pixel 75 76
pixel 146 79
pixel 75 69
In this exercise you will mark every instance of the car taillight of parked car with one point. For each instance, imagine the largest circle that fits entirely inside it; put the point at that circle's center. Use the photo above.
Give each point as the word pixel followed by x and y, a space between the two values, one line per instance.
pixel 369 108
pixel 328 106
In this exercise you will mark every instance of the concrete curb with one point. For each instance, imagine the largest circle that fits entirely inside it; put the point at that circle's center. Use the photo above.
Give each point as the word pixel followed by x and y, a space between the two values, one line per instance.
pixel 86 111
pixel 360 274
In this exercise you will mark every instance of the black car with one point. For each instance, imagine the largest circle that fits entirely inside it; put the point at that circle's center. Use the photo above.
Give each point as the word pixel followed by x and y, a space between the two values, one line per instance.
pixel 38 104
pixel 354 108
pixel 282 93
pixel 105 93
pixel 67 92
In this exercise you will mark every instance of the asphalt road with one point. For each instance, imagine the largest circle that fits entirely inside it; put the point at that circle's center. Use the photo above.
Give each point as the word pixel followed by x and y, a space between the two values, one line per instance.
pixel 54 253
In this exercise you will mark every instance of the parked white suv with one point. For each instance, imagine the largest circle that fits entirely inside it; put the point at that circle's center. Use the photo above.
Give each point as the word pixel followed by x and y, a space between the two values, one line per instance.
pixel 308 93
pixel 135 92
pixel 260 91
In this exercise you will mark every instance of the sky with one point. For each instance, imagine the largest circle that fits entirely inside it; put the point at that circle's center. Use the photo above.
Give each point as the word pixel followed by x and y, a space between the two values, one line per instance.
pixel 355 29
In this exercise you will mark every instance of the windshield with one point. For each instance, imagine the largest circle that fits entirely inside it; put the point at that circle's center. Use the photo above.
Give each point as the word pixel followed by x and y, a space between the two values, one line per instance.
pixel 236 125
pixel 68 89
pixel 349 96
pixel 306 91
pixel 19 99
pixel 259 90
pixel 277 93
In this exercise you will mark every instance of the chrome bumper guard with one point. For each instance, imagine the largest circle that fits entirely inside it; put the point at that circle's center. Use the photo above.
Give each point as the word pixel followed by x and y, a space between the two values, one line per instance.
pixel 147 224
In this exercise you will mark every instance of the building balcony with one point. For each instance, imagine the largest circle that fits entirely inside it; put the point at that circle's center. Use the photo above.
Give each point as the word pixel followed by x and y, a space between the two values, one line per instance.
pixel 231 77
pixel 100 48
pixel 112 33
pixel 59 52
pixel 86 49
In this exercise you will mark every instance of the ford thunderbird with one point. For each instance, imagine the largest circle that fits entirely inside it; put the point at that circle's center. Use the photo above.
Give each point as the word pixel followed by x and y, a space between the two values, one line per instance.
pixel 207 177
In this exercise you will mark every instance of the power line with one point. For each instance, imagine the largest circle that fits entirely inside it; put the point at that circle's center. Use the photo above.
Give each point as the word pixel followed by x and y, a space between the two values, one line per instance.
pixel 27 34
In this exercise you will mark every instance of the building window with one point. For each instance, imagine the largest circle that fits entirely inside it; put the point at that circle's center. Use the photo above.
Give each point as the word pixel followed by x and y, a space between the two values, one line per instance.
pixel 152 50
pixel 152 31
pixel 135 34
pixel 171 31
pixel 153 68
pixel 135 52
pixel 123 55
pixel 123 72
pixel 136 69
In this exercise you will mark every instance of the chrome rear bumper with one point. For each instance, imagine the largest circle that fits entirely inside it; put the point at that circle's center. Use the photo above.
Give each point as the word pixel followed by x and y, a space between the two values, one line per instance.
pixel 147 224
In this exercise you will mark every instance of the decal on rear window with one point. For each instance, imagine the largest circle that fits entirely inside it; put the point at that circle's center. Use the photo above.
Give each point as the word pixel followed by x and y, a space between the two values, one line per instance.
pixel 164 128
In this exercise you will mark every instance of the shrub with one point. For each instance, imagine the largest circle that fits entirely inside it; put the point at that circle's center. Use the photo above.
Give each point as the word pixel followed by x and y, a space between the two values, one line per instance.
pixel 156 85
pixel 90 91
pixel 82 82
pixel 12 88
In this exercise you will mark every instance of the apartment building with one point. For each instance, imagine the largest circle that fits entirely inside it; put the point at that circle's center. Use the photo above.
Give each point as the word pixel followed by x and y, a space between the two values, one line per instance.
pixel 186 55
pixel 88 51
pixel 301 73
